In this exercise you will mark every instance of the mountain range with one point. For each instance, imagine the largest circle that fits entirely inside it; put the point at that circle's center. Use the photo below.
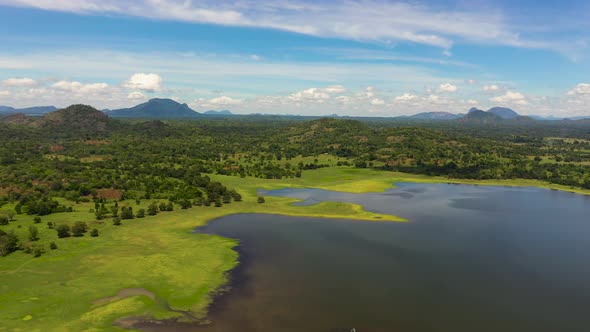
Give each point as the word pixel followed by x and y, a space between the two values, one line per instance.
pixel 161 108
pixel 38 110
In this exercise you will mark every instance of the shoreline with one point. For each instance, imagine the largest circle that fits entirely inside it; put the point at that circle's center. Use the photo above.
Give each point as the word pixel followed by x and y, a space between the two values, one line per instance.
pixel 165 241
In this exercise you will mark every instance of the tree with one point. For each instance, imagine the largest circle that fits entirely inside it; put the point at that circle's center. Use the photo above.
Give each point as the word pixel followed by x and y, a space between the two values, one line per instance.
pixel 63 231
pixel 261 199
pixel 218 202
pixel 170 206
pixel 115 210
pixel 49 225
pixel 33 233
pixel 236 196
pixel 3 220
pixel 127 212
pixel 117 221
pixel 140 213
pixel 185 204
pixel 163 206
pixel 152 209
pixel 8 243
pixel 226 198
pixel 79 228
pixel 37 220
pixel 94 232
pixel 52 245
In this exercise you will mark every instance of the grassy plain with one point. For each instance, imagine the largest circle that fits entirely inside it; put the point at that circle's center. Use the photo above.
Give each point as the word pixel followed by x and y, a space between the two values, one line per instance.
pixel 59 290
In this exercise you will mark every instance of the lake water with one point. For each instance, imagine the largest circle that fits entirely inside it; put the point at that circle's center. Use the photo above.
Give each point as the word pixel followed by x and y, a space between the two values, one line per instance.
pixel 472 258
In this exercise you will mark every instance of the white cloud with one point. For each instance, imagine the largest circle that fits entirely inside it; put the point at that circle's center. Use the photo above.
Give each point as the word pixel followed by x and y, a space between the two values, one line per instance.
pixel 447 87
pixel 406 97
pixel 377 102
pixel 18 82
pixel 224 100
pixel 335 89
pixel 490 88
pixel 580 89
pixel 136 95
pixel 255 57
pixel 369 20
pixel 511 98
pixel 146 82
pixel 4 93
pixel 77 87
pixel 471 81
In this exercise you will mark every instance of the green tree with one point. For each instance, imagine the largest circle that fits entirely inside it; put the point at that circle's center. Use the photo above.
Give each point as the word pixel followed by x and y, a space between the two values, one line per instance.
pixel 170 206
pixel 140 213
pixel 49 225
pixel 127 212
pixel 8 242
pixel 52 245
pixel 33 233
pixel 63 231
pixel 94 232
pixel 152 209
pixel 37 220
pixel 3 220
pixel 261 199
pixel 79 228
pixel 117 221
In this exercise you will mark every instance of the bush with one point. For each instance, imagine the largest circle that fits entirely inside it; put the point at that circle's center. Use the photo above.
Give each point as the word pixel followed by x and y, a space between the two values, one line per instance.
pixel 52 245
pixel 94 232
pixel 79 228
pixel 49 225
pixel 63 231
pixel 152 209
pixel 261 199
pixel 3 220
pixel 8 243
pixel 140 213
pixel 37 220
pixel 33 233
pixel 127 212
pixel 117 221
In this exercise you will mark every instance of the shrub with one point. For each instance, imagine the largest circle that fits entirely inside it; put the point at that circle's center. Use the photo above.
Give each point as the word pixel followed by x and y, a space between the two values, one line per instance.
pixel 63 231
pixel 261 199
pixel 94 232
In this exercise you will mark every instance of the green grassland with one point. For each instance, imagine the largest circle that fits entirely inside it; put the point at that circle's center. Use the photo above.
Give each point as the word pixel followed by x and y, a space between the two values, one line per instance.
pixel 60 291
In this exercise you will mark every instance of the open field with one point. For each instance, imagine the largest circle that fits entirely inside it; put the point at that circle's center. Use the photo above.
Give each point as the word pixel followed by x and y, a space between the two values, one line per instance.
pixel 59 290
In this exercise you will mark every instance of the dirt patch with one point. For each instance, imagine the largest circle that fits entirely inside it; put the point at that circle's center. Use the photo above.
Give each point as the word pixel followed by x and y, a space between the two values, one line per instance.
pixel 109 193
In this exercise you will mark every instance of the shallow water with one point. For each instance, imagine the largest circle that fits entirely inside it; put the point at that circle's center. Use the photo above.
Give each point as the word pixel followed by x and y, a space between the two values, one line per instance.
pixel 472 258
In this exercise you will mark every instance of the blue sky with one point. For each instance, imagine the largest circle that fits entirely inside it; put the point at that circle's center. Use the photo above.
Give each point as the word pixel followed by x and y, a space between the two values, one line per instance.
pixel 368 57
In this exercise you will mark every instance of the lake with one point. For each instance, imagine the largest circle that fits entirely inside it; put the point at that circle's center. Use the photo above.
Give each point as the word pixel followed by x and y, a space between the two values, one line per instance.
pixel 472 258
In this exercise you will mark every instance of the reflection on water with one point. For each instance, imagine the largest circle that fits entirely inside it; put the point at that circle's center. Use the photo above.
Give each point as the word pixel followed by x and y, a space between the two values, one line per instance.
pixel 473 258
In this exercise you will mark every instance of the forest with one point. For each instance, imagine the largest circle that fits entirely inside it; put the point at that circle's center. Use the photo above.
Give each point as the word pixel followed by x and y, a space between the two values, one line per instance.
pixel 78 154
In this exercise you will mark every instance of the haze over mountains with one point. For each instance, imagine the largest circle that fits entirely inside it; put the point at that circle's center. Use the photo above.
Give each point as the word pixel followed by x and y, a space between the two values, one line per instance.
pixel 163 108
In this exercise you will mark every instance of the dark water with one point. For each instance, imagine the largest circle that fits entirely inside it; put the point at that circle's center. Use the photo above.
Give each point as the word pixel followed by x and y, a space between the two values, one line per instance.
pixel 472 259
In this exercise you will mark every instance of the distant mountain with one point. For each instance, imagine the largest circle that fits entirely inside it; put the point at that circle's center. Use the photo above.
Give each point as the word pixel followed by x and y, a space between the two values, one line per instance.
pixel 37 110
pixel 436 116
pixel 503 112
pixel 479 116
pixel 16 118
pixel 75 117
pixel 222 112
pixel 156 108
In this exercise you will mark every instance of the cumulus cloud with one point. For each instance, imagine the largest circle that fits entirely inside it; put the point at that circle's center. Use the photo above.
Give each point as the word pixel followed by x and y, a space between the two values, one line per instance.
pixel 145 82
pixel 490 88
pixel 136 95
pixel 335 89
pixel 580 89
pixel 406 97
pixel 77 87
pixel 447 87
pixel 377 102
pixel 224 100
pixel 19 82
pixel 511 97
